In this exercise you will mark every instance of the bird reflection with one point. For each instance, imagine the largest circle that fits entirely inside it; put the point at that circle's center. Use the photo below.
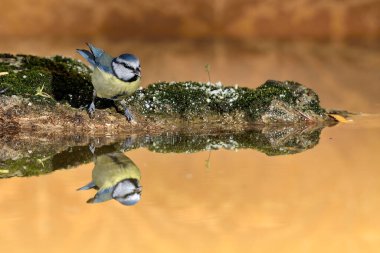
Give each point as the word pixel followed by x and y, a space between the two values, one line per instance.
pixel 115 176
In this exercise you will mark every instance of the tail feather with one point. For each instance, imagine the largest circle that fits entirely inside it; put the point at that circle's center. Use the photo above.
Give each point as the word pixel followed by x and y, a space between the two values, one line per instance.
pixel 97 58
pixel 96 52
pixel 88 186
pixel 87 55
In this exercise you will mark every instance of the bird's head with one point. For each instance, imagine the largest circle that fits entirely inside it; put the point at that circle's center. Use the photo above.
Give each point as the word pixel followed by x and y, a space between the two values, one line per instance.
pixel 127 192
pixel 126 67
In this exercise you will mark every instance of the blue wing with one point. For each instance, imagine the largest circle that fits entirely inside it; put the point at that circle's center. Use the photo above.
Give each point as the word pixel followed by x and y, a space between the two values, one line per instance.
pixel 88 186
pixel 97 58
pixel 88 56
pixel 102 195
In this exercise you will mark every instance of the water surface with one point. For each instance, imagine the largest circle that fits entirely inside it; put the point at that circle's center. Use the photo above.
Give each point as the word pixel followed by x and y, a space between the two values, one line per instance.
pixel 323 199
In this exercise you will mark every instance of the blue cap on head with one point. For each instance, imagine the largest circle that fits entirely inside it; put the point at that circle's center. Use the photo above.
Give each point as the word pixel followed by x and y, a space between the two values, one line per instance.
pixel 128 57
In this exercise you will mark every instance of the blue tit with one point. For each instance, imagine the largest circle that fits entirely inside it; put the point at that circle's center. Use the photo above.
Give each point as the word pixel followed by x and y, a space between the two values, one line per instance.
pixel 115 176
pixel 112 78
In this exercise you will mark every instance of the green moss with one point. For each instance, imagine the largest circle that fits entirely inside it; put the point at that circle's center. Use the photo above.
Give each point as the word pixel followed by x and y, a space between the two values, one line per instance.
pixel 44 162
pixel 256 102
pixel 185 99
pixel 282 141
pixel 64 79
pixel 276 141
pixel 26 82
pixel 6 61
pixel 192 99
pixel 27 166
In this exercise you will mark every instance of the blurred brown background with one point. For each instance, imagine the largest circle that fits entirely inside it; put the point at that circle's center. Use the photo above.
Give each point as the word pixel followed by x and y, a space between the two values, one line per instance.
pixel 197 19
pixel 331 46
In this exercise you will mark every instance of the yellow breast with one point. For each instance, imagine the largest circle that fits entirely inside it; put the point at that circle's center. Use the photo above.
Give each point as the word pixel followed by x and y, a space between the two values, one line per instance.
pixel 113 168
pixel 109 86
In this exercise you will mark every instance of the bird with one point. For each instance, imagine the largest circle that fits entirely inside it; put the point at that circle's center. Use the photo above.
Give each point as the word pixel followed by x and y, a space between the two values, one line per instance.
pixel 115 176
pixel 113 78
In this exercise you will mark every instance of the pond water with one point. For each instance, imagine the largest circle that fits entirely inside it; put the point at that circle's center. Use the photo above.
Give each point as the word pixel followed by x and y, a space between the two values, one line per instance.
pixel 223 193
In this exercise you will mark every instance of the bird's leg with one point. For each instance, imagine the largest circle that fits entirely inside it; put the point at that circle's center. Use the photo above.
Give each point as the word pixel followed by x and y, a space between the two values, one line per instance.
pixel 91 108
pixel 128 115
pixel 92 148
pixel 128 143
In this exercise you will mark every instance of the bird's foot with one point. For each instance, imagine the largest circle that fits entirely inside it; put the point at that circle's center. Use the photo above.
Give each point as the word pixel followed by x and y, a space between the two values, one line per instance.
pixel 128 143
pixel 91 147
pixel 91 110
pixel 129 116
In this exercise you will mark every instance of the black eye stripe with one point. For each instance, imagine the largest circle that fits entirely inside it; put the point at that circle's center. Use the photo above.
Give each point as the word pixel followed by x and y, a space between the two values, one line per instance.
pixel 127 66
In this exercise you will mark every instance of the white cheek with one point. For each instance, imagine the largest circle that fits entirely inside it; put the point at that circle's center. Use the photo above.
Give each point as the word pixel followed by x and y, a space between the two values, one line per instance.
pixel 122 72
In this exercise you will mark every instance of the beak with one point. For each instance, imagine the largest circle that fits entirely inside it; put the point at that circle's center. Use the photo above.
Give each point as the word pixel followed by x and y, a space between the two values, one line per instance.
pixel 138 72
pixel 138 189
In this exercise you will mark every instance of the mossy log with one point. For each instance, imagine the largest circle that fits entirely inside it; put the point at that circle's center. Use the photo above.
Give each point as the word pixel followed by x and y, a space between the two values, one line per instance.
pixel 22 155
pixel 51 95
